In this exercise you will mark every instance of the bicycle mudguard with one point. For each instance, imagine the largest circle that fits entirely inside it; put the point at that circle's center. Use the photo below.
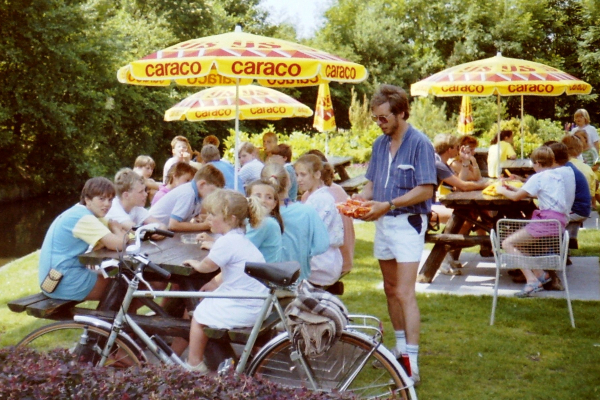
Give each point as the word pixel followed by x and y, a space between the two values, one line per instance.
pixel 84 319
pixel 281 273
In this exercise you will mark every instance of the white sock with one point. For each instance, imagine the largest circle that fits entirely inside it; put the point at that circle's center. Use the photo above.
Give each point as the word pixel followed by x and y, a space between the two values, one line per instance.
pixel 413 355
pixel 400 341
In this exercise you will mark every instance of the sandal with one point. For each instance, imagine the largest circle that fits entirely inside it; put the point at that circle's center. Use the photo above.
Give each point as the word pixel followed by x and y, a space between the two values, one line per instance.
pixel 529 290
pixel 545 278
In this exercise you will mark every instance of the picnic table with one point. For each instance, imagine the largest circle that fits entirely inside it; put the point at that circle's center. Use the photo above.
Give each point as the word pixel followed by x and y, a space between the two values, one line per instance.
pixel 350 185
pixel 478 209
pixel 522 167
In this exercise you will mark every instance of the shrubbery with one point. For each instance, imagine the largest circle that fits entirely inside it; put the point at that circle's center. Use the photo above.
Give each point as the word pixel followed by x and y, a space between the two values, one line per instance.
pixel 26 374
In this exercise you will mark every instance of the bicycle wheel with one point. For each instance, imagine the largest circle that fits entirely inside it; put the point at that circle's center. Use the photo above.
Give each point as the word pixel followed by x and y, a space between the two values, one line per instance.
pixel 347 366
pixel 85 342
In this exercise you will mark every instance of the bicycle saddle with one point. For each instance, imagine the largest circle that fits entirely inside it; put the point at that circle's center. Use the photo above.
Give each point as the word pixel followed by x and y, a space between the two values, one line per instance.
pixel 281 273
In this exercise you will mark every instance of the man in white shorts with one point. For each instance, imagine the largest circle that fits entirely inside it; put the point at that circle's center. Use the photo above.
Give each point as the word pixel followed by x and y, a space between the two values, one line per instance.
pixel 402 177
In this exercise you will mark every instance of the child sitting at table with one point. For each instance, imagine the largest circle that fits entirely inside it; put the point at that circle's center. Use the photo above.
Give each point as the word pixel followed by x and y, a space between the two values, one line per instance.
pixel 269 144
pixel 507 152
pixel 251 165
pixel 282 154
pixel 326 268
pixel 144 166
pixel 305 235
pixel 549 187
pixel 179 174
pixel 182 151
pixel 227 213
pixel 267 235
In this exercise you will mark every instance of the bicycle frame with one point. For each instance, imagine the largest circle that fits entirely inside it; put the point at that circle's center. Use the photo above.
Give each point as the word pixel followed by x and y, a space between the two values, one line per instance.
pixel 122 318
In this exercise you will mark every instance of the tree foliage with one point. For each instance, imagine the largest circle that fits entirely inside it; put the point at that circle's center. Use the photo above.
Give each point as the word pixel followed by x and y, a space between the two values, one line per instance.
pixel 64 117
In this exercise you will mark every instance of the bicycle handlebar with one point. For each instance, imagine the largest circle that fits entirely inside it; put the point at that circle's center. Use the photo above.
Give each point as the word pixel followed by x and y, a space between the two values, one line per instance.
pixel 143 232
pixel 159 270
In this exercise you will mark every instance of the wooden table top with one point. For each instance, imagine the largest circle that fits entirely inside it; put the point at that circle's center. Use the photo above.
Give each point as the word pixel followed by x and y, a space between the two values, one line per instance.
pixel 522 166
pixel 336 161
pixel 477 198
pixel 169 253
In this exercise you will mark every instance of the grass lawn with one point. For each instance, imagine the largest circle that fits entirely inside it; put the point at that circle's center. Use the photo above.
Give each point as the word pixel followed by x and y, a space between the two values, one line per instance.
pixel 530 353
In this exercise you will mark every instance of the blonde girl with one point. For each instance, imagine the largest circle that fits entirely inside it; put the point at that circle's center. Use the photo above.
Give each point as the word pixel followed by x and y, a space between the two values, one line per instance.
pixel 305 235
pixel 227 214
pixel 325 269
pixel 267 236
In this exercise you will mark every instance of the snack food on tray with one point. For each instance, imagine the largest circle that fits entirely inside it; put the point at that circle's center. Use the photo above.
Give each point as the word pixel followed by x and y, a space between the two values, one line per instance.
pixel 491 189
pixel 353 208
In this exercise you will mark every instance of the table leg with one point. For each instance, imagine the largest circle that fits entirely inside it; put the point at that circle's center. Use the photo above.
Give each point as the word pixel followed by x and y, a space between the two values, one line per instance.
pixel 439 251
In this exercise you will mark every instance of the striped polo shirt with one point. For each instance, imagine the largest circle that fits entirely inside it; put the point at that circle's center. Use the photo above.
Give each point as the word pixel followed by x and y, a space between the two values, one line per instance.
pixel 412 165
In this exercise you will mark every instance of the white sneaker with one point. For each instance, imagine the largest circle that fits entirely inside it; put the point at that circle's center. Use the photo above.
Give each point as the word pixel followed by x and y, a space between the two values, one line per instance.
pixel 446 269
pixel 201 368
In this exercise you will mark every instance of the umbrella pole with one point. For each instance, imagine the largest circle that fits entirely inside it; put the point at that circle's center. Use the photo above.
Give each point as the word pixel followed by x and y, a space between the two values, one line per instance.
pixel 237 133
pixel 522 122
pixel 498 169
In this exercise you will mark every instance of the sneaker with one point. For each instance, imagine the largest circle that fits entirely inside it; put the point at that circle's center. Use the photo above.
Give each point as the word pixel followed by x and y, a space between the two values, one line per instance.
pixel 201 368
pixel 446 269
pixel 416 379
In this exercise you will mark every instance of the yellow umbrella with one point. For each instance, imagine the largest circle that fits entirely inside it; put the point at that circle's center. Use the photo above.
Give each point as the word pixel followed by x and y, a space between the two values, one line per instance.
pixel 219 103
pixel 502 76
pixel 465 118
pixel 242 57
pixel 274 62
pixel 324 116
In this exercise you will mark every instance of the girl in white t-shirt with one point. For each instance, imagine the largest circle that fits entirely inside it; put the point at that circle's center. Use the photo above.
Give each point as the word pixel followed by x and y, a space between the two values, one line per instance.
pixel 227 214
pixel 549 187
pixel 326 268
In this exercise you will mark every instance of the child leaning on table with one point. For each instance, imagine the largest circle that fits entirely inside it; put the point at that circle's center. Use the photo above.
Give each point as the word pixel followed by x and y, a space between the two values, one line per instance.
pixel 549 187
pixel 227 213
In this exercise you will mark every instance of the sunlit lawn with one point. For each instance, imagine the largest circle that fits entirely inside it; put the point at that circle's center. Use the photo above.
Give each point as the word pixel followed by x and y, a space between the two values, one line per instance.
pixel 530 353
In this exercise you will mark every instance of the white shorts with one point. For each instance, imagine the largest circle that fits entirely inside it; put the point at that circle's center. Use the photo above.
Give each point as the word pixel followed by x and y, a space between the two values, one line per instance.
pixel 401 237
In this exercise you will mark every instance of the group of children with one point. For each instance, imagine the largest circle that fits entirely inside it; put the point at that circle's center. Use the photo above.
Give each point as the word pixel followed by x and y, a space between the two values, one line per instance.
pixel 269 225
pixel 564 183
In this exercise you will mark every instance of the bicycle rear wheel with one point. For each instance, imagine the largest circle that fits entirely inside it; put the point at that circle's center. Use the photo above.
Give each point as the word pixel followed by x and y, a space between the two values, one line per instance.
pixel 347 366
pixel 85 342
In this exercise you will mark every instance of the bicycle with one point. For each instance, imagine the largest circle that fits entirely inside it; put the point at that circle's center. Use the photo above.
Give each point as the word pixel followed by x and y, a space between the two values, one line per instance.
pixel 347 365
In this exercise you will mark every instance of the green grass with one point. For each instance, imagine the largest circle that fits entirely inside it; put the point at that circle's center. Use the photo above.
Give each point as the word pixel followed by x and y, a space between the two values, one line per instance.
pixel 530 353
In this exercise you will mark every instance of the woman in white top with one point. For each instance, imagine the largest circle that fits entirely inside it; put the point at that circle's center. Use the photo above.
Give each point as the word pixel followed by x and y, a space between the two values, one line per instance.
pixel 325 269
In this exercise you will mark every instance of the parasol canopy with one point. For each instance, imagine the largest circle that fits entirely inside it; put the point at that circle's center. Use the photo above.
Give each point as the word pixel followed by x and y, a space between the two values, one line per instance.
pixel 219 103
pixel 502 76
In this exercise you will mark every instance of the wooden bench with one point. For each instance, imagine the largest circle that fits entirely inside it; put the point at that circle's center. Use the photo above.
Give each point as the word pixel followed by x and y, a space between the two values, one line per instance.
pixel 41 306
pixel 353 185
pixel 457 240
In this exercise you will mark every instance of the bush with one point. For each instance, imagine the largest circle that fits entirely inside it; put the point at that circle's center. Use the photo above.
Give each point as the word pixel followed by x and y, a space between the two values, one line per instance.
pixel 25 373
pixel 356 143
pixel 535 131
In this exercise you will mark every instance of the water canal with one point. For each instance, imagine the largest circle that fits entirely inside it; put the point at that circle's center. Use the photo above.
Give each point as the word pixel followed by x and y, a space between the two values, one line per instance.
pixel 23 224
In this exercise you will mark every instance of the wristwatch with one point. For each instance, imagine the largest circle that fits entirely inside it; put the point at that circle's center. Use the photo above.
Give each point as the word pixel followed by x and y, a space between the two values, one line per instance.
pixel 392 206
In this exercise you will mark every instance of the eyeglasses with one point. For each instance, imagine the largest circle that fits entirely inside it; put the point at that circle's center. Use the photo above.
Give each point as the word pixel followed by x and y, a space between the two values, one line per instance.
pixel 381 118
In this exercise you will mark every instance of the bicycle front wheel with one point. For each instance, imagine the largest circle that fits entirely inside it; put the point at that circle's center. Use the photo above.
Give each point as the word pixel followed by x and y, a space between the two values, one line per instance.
pixel 349 365
pixel 85 342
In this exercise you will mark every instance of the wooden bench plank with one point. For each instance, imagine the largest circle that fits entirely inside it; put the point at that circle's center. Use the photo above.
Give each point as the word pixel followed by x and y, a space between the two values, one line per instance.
pixel 352 185
pixel 48 307
pixel 457 240
pixel 20 305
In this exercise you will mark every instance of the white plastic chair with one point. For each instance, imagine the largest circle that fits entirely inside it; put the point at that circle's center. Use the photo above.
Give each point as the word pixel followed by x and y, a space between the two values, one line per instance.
pixel 547 252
